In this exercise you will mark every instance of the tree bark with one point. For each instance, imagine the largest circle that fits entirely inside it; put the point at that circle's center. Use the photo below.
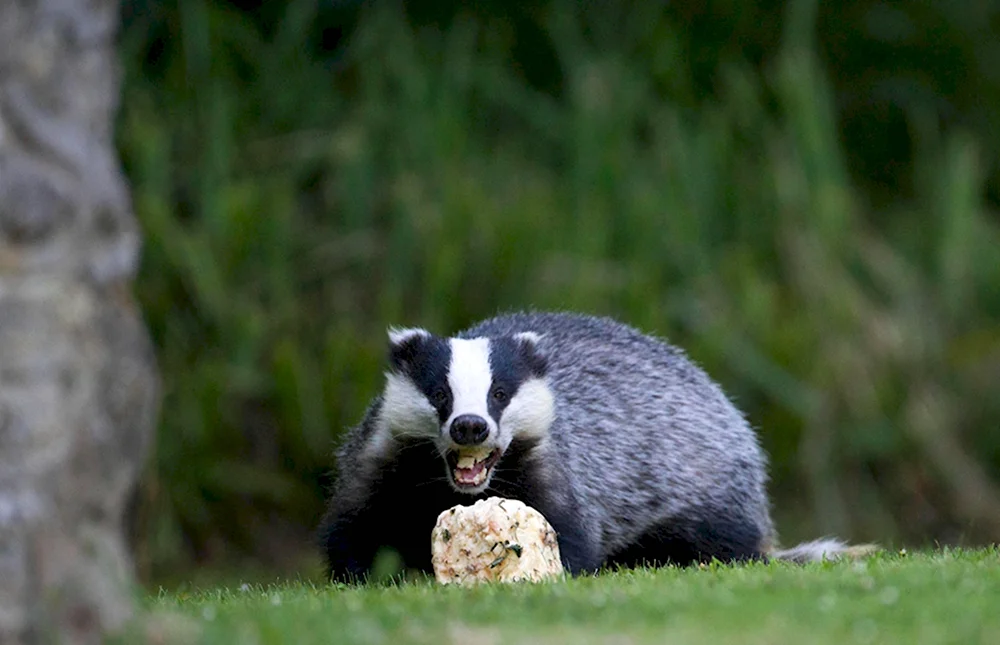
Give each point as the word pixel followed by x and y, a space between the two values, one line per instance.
pixel 78 385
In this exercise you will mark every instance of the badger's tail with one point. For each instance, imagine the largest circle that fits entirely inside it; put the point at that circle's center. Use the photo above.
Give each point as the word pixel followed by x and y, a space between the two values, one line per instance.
pixel 823 549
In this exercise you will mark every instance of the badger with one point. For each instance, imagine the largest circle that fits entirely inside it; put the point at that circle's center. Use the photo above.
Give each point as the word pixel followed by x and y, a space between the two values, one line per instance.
pixel 627 447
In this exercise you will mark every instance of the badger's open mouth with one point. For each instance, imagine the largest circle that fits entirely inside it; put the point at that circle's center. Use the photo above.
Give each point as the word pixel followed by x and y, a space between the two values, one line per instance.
pixel 470 468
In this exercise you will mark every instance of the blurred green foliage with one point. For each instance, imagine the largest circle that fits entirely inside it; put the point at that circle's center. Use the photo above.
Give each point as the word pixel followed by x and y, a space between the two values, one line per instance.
pixel 802 198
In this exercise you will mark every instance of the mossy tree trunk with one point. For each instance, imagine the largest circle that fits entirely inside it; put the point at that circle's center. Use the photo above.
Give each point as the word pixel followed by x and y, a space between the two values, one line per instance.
pixel 78 386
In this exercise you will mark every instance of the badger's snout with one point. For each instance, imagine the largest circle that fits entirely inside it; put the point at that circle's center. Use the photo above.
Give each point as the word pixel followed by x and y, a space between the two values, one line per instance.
pixel 469 430
pixel 471 456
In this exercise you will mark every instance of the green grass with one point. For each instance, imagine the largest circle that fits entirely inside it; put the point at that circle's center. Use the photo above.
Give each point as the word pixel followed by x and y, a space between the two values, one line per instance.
pixel 943 597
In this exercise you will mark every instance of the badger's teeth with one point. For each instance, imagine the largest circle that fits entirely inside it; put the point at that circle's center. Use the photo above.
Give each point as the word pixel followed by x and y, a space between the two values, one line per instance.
pixel 472 457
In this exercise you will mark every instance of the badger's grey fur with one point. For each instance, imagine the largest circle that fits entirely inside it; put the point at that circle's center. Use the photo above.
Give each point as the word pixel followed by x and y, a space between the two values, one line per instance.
pixel 628 448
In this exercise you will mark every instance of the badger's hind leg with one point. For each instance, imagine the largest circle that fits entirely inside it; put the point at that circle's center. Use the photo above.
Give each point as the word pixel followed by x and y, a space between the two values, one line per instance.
pixel 684 541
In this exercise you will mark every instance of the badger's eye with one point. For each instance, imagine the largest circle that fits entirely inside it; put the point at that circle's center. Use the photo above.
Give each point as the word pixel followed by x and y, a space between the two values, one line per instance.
pixel 499 394
pixel 440 396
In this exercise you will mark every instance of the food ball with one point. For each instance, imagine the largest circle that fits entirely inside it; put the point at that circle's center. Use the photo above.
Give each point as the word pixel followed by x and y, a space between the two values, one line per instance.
pixel 494 540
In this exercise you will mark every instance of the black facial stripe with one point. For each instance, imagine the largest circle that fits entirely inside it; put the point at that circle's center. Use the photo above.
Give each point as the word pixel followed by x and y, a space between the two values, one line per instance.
pixel 512 362
pixel 426 359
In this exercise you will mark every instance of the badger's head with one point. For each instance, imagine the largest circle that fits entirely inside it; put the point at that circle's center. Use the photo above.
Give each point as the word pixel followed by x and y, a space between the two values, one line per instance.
pixel 472 397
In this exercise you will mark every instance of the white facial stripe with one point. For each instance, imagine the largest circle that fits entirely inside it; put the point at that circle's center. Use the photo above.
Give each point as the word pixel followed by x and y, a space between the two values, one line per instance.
pixel 406 410
pixel 380 443
pixel 530 412
pixel 469 377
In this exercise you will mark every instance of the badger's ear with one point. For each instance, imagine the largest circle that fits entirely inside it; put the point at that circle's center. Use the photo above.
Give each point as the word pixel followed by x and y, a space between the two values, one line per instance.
pixel 404 344
pixel 528 338
pixel 529 344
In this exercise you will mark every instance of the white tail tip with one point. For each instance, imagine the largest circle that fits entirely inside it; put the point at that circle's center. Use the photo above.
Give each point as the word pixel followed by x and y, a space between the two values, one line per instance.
pixel 823 549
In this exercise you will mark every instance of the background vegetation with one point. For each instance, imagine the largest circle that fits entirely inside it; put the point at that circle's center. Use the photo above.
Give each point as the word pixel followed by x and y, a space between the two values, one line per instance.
pixel 803 197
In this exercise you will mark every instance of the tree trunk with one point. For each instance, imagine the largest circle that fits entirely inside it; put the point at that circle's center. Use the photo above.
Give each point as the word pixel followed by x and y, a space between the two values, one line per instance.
pixel 78 387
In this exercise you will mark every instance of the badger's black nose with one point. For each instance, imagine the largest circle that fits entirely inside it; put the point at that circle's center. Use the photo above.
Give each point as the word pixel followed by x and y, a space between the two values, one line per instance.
pixel 469 429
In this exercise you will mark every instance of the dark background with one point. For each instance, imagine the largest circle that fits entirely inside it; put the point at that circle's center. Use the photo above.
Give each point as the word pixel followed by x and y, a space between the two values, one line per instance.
pixel 802 194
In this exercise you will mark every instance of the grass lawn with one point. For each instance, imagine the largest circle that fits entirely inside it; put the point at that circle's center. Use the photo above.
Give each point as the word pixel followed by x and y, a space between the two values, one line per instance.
pixel 948 596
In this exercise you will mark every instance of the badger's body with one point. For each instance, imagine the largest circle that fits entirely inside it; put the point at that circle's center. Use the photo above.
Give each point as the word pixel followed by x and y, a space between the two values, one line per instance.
pixel 629 450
